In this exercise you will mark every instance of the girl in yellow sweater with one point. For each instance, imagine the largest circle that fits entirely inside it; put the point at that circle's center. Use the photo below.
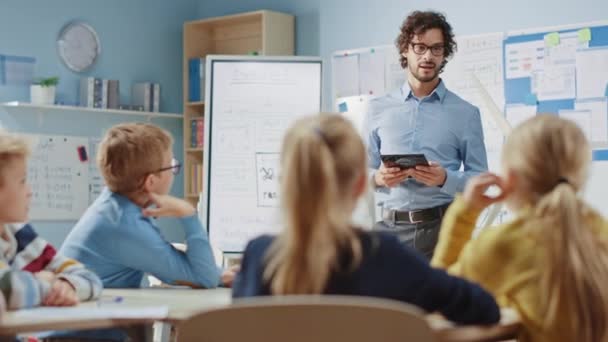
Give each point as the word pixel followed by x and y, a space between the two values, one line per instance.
pixel 550 262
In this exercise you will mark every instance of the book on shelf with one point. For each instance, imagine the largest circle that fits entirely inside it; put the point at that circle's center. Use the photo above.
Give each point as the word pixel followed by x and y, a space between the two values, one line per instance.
pixel 146 94
pixel 113 94
pixel 90 92
pixel 197 129
pixel 196 79
pixel 156 97
pixel 196 179
pixel 141 95
pixel 99 93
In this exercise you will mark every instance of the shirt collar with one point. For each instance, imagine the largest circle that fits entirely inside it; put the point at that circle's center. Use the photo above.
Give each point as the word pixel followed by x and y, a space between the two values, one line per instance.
pixel 439 91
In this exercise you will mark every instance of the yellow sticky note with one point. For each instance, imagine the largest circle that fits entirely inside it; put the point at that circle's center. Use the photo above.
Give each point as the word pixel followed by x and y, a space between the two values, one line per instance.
pixel 552 39
pixel 584 35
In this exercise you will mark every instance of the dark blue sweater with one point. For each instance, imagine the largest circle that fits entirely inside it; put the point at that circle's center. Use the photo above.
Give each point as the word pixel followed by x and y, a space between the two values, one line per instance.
pixel 388 270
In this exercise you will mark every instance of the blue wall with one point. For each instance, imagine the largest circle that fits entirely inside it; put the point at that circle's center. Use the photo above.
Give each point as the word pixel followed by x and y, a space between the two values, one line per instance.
pixel 140 40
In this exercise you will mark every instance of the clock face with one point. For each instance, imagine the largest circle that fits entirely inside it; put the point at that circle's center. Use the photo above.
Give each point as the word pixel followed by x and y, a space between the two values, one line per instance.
pixel 78 46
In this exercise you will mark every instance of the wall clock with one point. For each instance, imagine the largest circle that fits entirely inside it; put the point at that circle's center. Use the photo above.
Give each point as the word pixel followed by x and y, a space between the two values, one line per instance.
pixel 78 46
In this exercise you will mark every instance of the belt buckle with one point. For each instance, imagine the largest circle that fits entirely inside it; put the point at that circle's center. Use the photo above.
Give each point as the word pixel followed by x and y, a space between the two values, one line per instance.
pixel 411 217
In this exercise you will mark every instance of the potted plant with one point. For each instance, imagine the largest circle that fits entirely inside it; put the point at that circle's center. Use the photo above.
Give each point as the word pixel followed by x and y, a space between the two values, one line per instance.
pixel 42 92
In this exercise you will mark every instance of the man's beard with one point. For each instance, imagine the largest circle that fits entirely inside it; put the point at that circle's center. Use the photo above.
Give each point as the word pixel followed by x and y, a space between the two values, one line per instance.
pixel 424 79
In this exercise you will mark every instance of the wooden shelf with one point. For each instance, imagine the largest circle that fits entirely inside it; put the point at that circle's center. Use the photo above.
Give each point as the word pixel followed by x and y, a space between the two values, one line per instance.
pixel 49 108
pixel 266 32
pixel 197 103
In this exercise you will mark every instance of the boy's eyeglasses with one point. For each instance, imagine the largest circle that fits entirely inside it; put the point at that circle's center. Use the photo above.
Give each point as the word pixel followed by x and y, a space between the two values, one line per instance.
pixel 420 49
pixel 175 167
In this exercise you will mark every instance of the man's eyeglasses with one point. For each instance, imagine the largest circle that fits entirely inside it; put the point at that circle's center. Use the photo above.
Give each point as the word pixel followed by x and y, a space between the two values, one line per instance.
pixel 436 50
pixel 175 167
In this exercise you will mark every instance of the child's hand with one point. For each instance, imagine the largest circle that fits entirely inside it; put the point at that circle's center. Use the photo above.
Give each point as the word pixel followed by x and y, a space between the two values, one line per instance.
pixel 474 192
pixel 47 276
pixel 168 206
pixel 228 275
pixel 62 294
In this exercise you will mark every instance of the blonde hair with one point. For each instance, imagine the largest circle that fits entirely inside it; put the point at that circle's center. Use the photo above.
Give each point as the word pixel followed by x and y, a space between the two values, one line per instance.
pixel 321 159
pixel 552 157
pixel 11 146
pixel 129 152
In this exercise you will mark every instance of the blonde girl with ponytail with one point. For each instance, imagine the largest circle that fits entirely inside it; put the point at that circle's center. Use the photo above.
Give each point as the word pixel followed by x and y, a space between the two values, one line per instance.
pixel 551 261
pixel 319 251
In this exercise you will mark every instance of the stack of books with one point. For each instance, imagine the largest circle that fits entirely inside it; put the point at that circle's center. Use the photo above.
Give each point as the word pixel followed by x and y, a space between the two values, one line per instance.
pixel 147 95
pixel 196 179
pixel 99 93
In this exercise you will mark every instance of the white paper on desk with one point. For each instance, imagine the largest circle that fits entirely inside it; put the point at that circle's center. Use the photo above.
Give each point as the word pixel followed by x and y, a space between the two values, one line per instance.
pixel 371 73
pixel 581 117
pixel 112 311
pixel 346 73
pixel 518 113
pixel 523 58
pixel 591 72
pixel 599 118
pixel 554 82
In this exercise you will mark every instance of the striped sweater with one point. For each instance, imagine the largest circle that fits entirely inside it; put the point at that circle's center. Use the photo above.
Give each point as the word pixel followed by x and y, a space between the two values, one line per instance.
pixel 22 254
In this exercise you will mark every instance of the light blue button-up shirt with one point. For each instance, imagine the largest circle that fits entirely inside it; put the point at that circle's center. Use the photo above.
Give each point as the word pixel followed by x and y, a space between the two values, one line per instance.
pixel 443 126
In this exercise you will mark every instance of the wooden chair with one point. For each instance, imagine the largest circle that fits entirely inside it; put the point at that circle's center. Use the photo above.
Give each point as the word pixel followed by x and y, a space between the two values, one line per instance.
pixel 308 319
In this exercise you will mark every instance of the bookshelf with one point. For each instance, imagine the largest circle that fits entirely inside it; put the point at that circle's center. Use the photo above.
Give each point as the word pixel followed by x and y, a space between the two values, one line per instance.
pixel 262 32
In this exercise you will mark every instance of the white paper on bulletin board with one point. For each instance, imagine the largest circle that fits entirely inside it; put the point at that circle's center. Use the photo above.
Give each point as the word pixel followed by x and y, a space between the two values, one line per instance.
pixel 59 179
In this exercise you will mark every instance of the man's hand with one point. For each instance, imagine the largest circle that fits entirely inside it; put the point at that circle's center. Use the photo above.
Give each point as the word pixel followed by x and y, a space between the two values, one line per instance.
pixel 432 175
pixel 475 191
pixel 168 206
pixel 61 294
pixel 390 176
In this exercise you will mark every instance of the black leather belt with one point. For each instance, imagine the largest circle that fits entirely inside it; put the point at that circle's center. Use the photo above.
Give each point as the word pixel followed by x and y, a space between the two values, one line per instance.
pixel 414 216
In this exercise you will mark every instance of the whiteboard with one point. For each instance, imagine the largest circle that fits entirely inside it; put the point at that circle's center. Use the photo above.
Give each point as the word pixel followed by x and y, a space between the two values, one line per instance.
pixel 59 180
pixel 250 103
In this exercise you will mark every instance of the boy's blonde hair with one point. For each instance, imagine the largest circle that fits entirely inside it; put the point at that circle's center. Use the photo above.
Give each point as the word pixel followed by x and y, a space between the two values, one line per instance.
pixel 129 152
pixel 552 157
pixel 321 159
pixel 11 146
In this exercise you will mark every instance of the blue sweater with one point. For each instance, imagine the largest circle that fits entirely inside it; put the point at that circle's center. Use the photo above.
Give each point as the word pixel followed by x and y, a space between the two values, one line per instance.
pixel 117 242
pixel 388 270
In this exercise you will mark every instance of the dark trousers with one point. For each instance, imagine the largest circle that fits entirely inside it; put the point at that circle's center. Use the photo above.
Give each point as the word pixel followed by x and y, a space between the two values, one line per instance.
pixel 421 236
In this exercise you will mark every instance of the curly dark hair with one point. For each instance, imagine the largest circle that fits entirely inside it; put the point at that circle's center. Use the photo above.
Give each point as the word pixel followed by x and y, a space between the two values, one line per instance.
pixel 419 22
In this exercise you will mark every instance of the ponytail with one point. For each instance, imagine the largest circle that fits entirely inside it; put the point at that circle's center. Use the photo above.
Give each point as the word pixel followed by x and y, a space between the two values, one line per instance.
pixel 317 176
pixel 576 279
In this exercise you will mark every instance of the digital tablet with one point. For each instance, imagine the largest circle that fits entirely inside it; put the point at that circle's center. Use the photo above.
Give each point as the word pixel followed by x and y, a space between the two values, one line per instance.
pixel 404 161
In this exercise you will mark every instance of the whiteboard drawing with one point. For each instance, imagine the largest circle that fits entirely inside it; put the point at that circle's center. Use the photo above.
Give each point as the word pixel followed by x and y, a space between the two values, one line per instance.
pixel 267 166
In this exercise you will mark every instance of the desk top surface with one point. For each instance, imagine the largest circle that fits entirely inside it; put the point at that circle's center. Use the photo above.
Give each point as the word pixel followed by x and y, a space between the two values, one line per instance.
pixel 183 303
